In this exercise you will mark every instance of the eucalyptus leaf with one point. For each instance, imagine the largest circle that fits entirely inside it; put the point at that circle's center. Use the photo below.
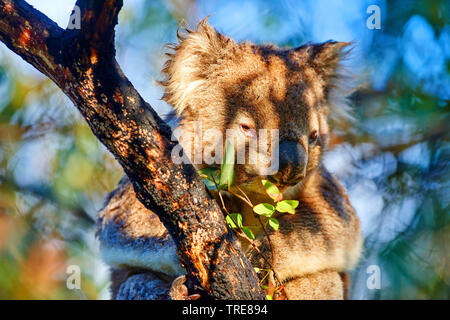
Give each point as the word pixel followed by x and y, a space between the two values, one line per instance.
pixel 236 217
pixel 248 232
pixel 274 223
pixel 271 189
pixel 264 209
pixel 287 206
pixel 227 169
pixel 210 173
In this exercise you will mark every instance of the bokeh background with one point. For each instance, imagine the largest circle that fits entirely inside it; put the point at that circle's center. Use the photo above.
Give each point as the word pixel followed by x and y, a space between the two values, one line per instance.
pixel 394 159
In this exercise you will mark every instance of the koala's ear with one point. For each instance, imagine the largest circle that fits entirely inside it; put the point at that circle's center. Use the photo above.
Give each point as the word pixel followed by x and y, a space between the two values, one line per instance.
pixel 326 60
pixel 190 63
pixel 325 57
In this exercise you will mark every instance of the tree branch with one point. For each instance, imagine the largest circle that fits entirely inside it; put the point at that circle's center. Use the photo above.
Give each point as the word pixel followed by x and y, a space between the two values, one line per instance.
pixel 98 21
pixel 82 64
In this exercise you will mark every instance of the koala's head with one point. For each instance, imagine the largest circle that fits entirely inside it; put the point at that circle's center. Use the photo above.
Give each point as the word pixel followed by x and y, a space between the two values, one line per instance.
pixel 215 84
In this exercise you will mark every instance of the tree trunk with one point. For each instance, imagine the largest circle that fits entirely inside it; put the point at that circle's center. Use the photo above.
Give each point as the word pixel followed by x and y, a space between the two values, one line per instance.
pixel 82 63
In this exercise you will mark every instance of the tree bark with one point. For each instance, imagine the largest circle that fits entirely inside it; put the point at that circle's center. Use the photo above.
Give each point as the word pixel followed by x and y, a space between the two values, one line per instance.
pixel 82 63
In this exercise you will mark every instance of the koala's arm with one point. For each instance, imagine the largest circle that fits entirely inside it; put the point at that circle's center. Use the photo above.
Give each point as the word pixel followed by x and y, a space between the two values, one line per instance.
pixel 132 236
pixel 137 247
pixel 143 285
pixel 147 285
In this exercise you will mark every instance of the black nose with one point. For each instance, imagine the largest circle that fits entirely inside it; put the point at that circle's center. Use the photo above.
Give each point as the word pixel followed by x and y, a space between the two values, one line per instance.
pixel 292 165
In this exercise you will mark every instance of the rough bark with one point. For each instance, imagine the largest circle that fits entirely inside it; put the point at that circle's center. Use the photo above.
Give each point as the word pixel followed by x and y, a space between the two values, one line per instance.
pixel 82 63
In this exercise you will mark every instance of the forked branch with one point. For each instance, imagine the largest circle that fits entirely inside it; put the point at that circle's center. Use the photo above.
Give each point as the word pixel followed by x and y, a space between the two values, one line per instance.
pixel 82 63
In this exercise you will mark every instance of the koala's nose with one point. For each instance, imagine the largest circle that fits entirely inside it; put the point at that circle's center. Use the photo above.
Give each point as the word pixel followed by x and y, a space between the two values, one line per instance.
pixel 292 163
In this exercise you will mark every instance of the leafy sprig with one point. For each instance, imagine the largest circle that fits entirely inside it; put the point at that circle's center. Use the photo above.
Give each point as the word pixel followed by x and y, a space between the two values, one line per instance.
pixel 267 210
pixel 222 180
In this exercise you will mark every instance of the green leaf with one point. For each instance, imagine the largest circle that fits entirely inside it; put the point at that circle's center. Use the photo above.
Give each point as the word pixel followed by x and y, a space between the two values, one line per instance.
pixel 287 206
pixel 257 270
pixel 264 209
pixel 210 173
pixel 271 189
pixel 227 168
pixel 236 217
pixel 274 223
pixel 210 177
pixel 269 297
pixel 248 233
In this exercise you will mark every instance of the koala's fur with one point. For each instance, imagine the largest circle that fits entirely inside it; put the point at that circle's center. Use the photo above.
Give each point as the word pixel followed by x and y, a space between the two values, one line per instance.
pixel 212 79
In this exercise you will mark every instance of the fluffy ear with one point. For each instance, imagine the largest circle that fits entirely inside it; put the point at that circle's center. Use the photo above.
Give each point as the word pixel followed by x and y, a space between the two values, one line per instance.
pixel 325 57
pixel 326 60
pixel 188 66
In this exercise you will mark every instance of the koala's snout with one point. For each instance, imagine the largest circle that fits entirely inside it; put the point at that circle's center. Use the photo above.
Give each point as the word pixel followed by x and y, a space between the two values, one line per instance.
pixel 292 163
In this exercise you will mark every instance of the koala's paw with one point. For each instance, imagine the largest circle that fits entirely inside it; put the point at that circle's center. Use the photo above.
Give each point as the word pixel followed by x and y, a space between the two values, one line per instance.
pixel 178 291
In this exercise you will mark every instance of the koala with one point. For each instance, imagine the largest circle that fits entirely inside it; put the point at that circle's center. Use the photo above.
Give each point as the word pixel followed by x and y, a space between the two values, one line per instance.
pixel 212 80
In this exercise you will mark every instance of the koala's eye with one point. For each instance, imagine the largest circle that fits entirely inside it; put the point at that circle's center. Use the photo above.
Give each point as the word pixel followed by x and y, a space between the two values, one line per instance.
pixel 313 136
pixel 247 130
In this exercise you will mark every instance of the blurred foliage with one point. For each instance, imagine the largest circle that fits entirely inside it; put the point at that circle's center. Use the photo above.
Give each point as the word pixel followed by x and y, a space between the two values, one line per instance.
pixel 394 159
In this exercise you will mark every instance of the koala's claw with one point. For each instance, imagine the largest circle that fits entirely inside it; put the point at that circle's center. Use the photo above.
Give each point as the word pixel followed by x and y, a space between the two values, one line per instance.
pixel 178 291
